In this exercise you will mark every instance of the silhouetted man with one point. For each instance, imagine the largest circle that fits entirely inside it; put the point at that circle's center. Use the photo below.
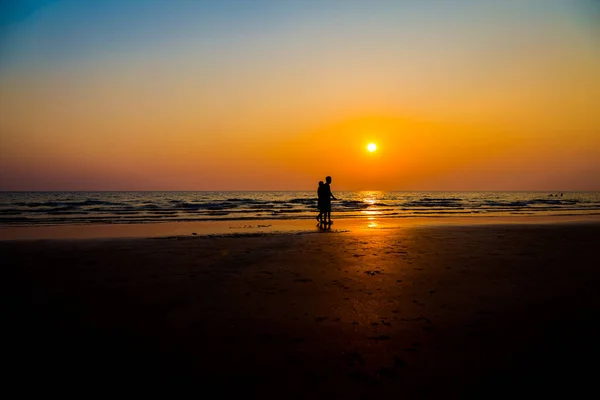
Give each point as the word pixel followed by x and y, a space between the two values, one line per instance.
pixel 327 196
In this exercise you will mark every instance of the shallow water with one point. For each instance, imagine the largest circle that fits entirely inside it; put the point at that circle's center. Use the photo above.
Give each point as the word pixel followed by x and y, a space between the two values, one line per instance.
pixel 65 208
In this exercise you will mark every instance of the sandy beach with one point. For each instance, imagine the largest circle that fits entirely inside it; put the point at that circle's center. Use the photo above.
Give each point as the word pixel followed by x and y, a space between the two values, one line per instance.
pixel 167 169
pixel 420 311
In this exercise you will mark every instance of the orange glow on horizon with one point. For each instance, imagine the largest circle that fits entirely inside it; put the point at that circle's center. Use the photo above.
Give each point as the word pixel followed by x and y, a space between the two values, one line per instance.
pixel 501 96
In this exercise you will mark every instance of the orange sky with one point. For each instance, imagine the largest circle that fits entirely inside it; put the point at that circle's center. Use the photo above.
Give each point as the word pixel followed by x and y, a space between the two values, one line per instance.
pixel 493 97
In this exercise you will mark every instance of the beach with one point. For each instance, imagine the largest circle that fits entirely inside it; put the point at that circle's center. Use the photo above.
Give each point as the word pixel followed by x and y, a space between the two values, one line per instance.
pixel 426 310
pixel 169 170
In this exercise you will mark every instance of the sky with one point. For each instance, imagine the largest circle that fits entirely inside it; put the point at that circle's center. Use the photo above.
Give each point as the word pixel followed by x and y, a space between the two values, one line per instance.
pixel 276 95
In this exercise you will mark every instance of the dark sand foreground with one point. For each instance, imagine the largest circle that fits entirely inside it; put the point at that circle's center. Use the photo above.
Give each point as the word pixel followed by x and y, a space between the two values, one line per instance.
pixel 444 312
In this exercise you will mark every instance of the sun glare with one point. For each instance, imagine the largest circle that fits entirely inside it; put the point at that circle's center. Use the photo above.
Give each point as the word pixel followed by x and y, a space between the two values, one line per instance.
pixel 371 147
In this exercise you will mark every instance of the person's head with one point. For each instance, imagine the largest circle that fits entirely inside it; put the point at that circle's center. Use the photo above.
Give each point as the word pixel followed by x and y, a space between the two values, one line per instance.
pixel 328 179
pixel 321 183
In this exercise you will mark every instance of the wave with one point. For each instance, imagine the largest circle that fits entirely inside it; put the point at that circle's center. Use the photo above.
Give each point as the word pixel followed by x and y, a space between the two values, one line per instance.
pixel 66 203
pixel 123 207
pixel 525 203
pixel 433 203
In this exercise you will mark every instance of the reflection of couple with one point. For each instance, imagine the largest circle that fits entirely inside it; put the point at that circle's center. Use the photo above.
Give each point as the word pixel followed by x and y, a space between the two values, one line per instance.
pixel 325 197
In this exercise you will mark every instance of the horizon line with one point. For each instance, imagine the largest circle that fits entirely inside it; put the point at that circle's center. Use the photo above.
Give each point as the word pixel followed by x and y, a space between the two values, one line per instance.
pixel 294 190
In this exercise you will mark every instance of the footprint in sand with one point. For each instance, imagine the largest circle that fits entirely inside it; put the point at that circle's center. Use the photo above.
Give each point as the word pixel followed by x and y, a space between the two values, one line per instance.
pixel 362 377
pixel 386 372
pixel 379 338
pixel 354 359
pixel 414 347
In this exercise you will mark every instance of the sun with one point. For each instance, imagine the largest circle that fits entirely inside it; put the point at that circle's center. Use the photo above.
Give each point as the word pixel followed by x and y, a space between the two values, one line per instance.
pixel 371 147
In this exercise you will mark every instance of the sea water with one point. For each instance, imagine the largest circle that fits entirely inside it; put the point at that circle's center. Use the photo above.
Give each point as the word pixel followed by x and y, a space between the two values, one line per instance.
pixel 57 208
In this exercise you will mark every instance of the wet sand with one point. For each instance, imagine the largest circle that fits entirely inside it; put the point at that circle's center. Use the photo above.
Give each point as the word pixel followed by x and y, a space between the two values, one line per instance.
pixel 422 311
pixel 267 226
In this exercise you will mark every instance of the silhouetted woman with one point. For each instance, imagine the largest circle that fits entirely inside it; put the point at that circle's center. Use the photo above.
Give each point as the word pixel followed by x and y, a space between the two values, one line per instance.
pixel 321 201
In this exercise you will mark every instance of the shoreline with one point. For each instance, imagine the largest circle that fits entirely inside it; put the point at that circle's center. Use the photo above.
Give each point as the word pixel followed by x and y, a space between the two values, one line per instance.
pixel 265 227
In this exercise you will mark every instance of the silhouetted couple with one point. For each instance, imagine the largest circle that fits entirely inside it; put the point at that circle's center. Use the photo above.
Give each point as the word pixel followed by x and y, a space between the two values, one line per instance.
pixel 325 197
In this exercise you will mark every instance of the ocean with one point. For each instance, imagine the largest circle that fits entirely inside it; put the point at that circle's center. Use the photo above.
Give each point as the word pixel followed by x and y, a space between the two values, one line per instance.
pixel 65 208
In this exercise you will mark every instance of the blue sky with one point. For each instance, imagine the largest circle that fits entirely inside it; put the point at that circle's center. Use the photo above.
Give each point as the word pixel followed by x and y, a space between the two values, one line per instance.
pixel 60 31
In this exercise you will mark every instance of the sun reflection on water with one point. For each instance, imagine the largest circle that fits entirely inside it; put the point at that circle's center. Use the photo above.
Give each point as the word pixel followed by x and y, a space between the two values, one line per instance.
pixel 370 198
